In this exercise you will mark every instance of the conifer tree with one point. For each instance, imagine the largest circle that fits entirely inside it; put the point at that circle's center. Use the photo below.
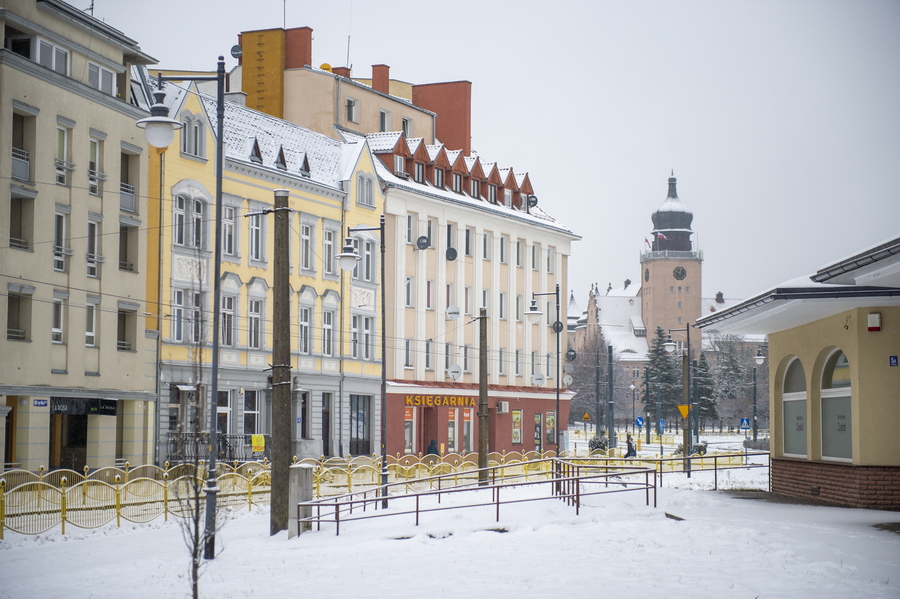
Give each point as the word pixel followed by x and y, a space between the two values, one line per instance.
pixel 706 401
pixel 668 383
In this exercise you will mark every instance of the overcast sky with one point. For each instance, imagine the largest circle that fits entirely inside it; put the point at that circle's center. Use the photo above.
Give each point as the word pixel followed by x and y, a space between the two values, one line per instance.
pixel 781 119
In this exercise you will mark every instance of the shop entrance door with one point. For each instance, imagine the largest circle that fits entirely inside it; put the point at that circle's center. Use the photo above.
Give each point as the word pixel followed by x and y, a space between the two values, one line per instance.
pixel 428 429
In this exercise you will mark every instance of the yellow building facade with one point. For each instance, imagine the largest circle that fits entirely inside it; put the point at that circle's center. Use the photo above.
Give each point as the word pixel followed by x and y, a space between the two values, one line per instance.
pixel 334 315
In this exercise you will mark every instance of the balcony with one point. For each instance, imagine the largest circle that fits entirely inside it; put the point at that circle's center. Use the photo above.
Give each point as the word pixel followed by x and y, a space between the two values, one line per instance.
pixel 93 264
pixel 21 165
pixel 672 255
pixel 60 258
pixel 123 345
pixel 62 171
pixel 15 334
pixel 126 197
pixel 95 182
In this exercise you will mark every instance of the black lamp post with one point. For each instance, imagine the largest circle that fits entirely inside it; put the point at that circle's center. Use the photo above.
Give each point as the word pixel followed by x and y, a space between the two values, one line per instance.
pixel 760 359
pixel 160 131
pixel 534 316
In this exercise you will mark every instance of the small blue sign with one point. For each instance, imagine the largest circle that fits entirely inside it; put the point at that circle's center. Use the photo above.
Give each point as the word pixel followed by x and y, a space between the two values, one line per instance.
pixel 299 420
pixel 662 424
pixel 745 424
pixel 893 360
pixel 639 421
pixel 40 403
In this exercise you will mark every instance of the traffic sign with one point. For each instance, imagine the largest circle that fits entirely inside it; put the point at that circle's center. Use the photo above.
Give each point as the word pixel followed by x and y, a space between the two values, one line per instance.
pixel 639 421
pixel 745 424
pixel 662 424
pixel 586 417
pixel 683 409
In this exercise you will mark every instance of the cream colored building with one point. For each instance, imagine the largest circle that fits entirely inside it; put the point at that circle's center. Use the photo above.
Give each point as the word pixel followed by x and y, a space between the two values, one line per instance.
pixel 834 342
pixel 77 363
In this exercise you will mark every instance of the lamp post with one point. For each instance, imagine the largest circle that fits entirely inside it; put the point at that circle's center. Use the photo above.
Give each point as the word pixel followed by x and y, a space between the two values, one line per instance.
pixel 760 359
pixel 670 345
pixel 348 259
pixel 534 316
pixel 160 131
pixel 633 415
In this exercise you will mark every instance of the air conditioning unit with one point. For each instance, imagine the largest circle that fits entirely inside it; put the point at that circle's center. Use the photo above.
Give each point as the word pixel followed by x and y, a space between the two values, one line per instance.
pixel 502 407
pixel 402 175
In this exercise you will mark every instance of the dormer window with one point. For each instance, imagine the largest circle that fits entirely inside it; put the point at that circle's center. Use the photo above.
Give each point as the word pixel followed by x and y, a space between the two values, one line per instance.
pixel 280 162
pixel 457 182
pixel 473 188
pixel 398 164
pixel 255 154
pixel 420 172
pixel 508 198
pixel 192 136
pixel 439 178
pixel 304 166
pixel 492 194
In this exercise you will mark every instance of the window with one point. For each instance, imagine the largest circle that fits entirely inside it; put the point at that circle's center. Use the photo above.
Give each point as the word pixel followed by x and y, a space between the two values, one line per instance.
pixel 409 292
pixel 354 336
pixel 679 289
pixel 60 251
pixel 679 319
pixel 197 224
pixel 519 306
pixel 18 312
pixel 187 225
pixel 501 362
pixel 429 286
pixel 254 324
pixel 466 365
pixel 457 182
pixel 448 353
pixel 23 137
pixel 507 198
pixel 535 250
pixel 227 310
pixel 127 180
pixel 57 316
pixel 550 260
pixel 687 289
pixel 21 220
pixel 251 412
pixel 679 304
pixel 428 354
pixel 486 246
pixel 533 363
pixel 196 317
pixel 467 300
pixel 451 235
pixel 492 194
pixel 439 178
pixel 95 170
pixel 368 261
pixel 128 244
pixel 518 360
pixel 384 120
pixel 223 412
pixel 327 333
pixel 328 251
pixel 126 330
pixel 355 272
pixel 549 366
pixel 177 321
pixel 407 353
pixel 486 300
pixel 90 324
pixel 407 127
pixel 63 166
pixel 451 430
pixel 102 79
pixel 306 247
pixel 793 407
pixel 256 237
pixel 178 223
pixel 503 244
pixel 410 228
pixel 450 295
pixel 53 57
pixel 228 245
pixel 671 289
pixel 519 252
pixel 192 136
pixel 429 231
pixel 303 340
pixel 420 172
pixel 365 190
pixel 352 107
pixel 836 412
pixel 399 165
pixel 470 233
pixel 502 305
pixel 368 338
pixel 360 442
pixel 473 188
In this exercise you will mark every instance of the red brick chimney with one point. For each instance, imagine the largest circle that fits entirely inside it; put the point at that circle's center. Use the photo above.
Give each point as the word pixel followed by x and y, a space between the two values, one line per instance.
pixel 298 47
pixel 381 78
pixel 342 71
pixel 452 101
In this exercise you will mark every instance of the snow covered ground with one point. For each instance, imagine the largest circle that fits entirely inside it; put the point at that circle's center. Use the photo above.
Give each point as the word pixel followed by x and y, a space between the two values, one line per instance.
pixel 723 547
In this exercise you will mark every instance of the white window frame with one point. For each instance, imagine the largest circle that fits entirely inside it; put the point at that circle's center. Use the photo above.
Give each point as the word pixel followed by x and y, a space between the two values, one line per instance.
pixel 102 79
pixel 439 178
pixel 228 226
pixel 60 249
pixel 429 293
pixel 256 239
pixel 228 319
pixel 177 322
pixel 58 321
pixel 306 246
pixel 179 220
pixel 457 182
pixel 409 292
pixel 55 54
pixel 407 353
pixel 550 260
pixel 519 253
pixel 90 325
pixel 486 245
pixel 254 323
pixel 352 110
pixel 501 362
pixel 328 237
pixel 303 329
pixel 354 336
pixel 196 320
pixel 93 257
pixel 429 346
pixel 502 299
pixel 368 337
pixel 503 244
pixel 327 332
pixel 410 228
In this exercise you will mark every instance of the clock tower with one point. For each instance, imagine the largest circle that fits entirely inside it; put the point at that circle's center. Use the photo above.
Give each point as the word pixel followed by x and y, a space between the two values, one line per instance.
pixel 671 273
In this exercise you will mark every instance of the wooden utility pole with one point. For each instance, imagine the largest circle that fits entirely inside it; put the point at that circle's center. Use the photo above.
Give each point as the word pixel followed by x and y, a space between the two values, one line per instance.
pixel 281 369
pixel 482 398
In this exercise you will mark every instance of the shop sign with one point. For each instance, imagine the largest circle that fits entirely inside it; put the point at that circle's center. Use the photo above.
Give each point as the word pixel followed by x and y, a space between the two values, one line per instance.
pixel 441 400
pixel 83 405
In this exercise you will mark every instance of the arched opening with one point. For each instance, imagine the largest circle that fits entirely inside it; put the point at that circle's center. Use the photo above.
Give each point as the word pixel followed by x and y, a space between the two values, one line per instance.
pixel 793 403
pixel 837 435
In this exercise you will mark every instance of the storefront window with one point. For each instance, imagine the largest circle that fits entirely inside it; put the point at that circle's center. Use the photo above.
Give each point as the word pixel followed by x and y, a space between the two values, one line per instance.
pixel 451 430
pixel 837 439
pixel 517 427
pixel 793 401
pixel 467 430
pixel 551 426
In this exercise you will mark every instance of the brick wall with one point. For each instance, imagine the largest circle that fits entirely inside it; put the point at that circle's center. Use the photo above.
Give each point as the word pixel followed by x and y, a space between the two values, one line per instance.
pixel 876 487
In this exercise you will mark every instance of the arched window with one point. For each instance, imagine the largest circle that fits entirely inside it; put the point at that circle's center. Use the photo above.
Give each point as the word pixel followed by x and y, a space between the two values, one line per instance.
pixel 192 137
pixel 189 222
pixel 837 435
pixel 793 403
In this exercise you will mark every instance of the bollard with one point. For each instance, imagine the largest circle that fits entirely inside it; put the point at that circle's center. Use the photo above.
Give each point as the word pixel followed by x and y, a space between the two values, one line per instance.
pixel 299 491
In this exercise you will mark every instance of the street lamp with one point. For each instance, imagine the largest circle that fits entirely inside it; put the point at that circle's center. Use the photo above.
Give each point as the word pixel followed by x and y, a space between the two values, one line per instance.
pixel 760 359
pixel 348 259
pixel 633 415
pixel 534 316
pixel 670 345
pixel 160 131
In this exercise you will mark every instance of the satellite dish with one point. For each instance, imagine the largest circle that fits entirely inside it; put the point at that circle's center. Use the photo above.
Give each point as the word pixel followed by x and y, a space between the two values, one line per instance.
pixel 451 254
pixel 422 243
pixel 325 67
pixel 532 201
pixel 454 371
pixel 569 368
pixel 570 356
pixel 453 312
pixel 538 378
pixel 567 380
pixel 236 51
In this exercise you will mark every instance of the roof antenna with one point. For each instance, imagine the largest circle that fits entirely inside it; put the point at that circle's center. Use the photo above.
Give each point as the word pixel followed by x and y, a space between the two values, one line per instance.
pixel 673 173
pixel 349 31
pixel 91 8
pixel 284 15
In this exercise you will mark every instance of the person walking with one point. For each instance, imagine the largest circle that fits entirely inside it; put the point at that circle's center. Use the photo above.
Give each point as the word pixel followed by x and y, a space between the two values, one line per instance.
pixel 632 452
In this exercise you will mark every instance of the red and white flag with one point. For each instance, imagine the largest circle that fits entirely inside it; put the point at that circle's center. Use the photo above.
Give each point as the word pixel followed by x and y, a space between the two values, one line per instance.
pixel 661 236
